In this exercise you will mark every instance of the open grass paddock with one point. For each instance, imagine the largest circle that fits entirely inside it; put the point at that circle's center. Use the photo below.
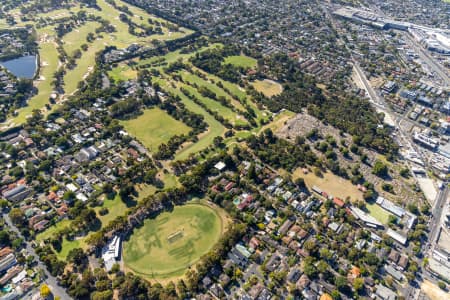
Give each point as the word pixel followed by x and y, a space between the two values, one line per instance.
pixel 331 184
pixel 154 127
pixel 241 61
pixel 268 87
pixel 166 246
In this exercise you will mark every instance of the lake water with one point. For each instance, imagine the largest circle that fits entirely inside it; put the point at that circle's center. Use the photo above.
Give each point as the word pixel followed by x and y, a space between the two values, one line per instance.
pixel 22 67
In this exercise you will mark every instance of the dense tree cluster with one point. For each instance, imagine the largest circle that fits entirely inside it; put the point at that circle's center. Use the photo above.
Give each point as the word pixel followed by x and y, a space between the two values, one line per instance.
pixel 212 61
pixel 125 108
pixel 340 109
pixel 279 153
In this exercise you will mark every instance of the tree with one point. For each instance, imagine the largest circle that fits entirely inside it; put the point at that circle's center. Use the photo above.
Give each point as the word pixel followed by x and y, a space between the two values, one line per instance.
pixel 335 295
pixel 358 285
pixel 380 169
pixel 17 216
pixel 4 203
pixel 300 182
pixel 4 238
pixel 77 256
pixel 340 282
pixel 322 266
pixel 442 285
pixel 404 172
pixel 45 291
pixel 412 207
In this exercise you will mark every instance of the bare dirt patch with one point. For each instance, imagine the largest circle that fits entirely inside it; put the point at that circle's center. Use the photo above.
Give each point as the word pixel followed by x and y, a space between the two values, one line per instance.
pixel 433 291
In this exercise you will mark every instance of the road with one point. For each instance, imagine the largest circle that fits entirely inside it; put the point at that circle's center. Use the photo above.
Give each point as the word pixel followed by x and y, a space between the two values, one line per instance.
pixel 430 61
pixel 408 291
pixel 435 223
pixel 50 280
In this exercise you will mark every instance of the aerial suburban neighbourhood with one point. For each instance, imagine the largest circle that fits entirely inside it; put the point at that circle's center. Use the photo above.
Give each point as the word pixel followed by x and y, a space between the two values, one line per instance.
pixel 191 149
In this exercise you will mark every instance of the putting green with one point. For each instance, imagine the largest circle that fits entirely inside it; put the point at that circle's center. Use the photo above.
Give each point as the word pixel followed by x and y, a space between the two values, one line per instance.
pixel 165 247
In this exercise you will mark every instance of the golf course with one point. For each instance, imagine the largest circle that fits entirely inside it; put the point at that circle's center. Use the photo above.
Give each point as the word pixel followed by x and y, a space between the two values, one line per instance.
pixel 166 246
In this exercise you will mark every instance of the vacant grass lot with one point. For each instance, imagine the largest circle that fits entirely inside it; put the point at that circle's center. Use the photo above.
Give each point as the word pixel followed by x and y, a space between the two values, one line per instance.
pixel 168 245
pixel 278 121
pixel 66 245
pixel 241 61
pixel 116 207
pixel 331 184
pixel 154 127
pixel 268 87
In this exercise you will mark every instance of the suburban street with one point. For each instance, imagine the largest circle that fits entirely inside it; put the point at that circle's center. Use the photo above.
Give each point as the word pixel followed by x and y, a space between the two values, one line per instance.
pixel 50 280
pixel 429 61
pixel 410 291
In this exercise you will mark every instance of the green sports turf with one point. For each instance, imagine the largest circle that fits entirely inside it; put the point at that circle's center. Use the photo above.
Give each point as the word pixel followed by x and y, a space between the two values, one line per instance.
pixel 149 251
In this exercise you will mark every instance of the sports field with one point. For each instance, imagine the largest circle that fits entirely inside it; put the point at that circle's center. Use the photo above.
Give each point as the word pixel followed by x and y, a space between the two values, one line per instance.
pixel 268 87
pixel 154 127
pixel 378 213
pixel 166 246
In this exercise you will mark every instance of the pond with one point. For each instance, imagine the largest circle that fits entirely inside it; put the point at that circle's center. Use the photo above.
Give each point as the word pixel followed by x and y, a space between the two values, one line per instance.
pixel 22 67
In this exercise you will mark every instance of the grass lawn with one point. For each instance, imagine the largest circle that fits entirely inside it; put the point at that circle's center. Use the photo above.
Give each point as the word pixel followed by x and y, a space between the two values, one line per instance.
pixel 154 127
pixel 66 245
pixel 122 72
pixel 268 87
pixel 331 184
pixel 50 231
pixel 378 213
pixel 164 247
pixel 241 61
pixel 173 56
pixel 74 39
pixel 236 92
pixel 278 121
pixel 116 207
